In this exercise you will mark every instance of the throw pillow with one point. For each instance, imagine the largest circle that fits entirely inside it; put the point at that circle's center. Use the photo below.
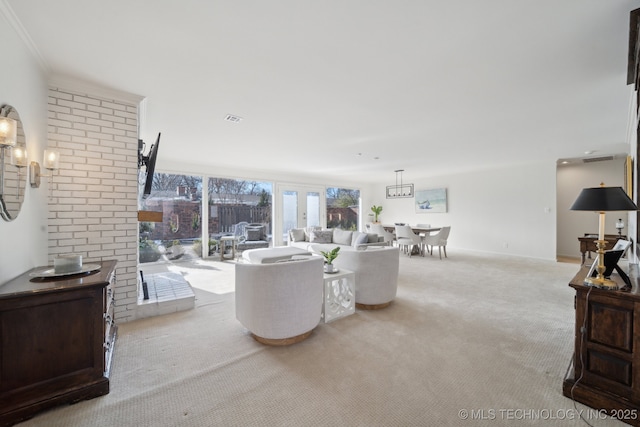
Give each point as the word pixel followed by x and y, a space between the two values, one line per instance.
pixel 342 237
pixel 307 232
pixel 321 236
pixel 372 237
pixel 359 239
pixel 296 235
pixel 253 233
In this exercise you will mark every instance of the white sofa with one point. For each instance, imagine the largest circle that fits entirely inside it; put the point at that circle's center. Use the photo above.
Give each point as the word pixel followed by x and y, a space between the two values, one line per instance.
pixel 280 303
pixel 305 238
pixel 271 255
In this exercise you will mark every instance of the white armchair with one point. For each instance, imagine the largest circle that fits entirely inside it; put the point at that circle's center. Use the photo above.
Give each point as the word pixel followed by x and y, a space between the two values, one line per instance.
pixel 280 303
pixel 376 274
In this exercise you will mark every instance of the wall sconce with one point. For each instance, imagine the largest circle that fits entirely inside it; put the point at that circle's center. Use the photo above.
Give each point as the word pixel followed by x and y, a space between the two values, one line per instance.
pixel 399 190
pixel 8 138
pixel 19 160
pixel 8 130
pixel 50 161
pixel 19 157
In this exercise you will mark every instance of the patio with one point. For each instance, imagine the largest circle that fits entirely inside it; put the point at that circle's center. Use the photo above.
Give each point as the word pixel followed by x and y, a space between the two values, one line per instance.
pixel 169 283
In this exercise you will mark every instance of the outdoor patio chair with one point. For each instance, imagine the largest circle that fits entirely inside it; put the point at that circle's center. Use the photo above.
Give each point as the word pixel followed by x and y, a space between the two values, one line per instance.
pixel 254 236
pixel 238 230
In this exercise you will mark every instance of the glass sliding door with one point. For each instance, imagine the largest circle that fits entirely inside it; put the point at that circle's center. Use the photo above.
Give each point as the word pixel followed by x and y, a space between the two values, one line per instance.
pixel 313 209
pixel 299 207
pixel 289 210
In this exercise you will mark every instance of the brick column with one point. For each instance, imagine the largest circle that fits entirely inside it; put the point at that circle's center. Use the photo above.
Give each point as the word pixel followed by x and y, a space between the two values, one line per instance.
pixel 94 196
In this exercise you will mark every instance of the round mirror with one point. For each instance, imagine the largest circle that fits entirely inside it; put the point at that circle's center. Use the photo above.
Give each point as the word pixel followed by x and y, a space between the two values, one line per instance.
pixel 13 168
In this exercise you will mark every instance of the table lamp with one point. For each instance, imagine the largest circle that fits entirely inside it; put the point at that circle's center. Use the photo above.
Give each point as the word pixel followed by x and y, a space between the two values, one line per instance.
pixel 602 199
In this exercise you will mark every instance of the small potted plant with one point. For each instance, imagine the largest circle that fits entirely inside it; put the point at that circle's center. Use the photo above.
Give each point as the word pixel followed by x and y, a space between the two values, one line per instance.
pixel 376 210
pixel 328 259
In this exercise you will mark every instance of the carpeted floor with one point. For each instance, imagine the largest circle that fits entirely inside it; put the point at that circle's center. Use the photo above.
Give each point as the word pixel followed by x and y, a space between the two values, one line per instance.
pixel 474 339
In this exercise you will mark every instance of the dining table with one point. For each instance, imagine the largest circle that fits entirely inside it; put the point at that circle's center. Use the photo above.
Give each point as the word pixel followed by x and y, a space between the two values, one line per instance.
pixel 417 230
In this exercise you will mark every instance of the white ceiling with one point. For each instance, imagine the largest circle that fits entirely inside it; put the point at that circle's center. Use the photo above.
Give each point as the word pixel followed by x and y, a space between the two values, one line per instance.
pixel 431 87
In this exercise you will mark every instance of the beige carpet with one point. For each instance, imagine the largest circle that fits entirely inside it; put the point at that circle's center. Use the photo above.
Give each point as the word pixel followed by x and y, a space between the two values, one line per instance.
pixel 473 332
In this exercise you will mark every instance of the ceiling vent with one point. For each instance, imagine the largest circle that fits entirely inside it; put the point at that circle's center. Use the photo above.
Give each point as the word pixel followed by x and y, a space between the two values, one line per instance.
pixel 233 119
pixel 597 159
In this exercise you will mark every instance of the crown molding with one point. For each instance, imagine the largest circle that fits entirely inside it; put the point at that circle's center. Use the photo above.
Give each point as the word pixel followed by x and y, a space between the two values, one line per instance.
pixel 83 87
pixel 7 12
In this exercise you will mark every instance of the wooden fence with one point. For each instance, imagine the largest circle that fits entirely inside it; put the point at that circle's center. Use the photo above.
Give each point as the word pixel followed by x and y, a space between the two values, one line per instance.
pixel 223 217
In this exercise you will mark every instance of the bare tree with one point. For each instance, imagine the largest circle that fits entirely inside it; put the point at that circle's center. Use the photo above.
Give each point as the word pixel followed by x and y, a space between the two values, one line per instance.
pixel 236 188
pixel 217 187
pixel 332 192
pixel 343 197
pixel 252 188
pixel 227 190
pixel 165 182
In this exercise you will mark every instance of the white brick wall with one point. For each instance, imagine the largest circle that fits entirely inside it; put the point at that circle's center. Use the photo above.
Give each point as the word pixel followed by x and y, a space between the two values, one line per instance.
pixel 94 196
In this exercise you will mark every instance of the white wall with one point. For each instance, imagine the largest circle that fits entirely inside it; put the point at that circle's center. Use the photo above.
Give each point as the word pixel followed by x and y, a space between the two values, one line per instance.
pixel 509 211
pixel 572 178
pixel 23 85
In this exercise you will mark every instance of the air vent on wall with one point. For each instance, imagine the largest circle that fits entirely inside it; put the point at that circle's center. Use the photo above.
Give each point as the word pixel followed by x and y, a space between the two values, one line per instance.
pixel 597 159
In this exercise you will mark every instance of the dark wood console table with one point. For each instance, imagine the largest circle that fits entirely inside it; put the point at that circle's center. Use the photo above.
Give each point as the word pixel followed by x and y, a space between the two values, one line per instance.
pixel 607 351
pixel 588 243
pixel 56 340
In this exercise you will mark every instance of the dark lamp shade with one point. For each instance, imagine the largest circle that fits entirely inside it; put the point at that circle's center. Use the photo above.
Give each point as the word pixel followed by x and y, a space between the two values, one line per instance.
pixel 602 199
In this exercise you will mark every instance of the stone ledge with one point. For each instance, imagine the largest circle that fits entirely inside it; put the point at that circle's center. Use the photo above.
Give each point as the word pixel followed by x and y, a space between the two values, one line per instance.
pixel 168 293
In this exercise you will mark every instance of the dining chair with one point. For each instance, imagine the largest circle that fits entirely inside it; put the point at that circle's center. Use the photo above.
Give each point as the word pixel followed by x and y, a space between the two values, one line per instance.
pixel 389 238
pixel 407 239
pixel 439 239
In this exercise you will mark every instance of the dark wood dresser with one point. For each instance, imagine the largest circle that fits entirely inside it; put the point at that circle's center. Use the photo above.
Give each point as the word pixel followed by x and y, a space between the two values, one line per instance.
pixel 607 349
pixel 56 340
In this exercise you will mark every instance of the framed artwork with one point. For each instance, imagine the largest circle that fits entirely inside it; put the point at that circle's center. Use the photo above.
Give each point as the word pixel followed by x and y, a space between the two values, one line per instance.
pixel 431 201
pixel 621 245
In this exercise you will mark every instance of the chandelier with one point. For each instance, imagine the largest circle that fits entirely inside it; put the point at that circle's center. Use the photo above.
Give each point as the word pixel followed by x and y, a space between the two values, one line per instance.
pixel 400 189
